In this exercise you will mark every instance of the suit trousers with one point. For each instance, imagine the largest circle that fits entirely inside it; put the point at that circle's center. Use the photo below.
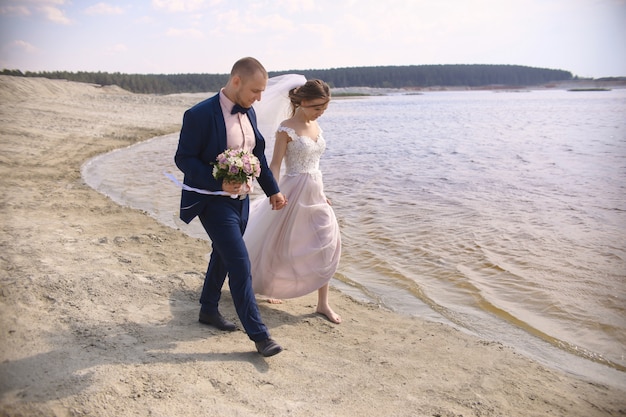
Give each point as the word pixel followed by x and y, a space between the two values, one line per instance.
pixel 225 220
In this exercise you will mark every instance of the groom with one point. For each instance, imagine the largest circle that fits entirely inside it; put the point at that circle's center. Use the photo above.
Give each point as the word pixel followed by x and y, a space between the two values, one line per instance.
pixel 227 120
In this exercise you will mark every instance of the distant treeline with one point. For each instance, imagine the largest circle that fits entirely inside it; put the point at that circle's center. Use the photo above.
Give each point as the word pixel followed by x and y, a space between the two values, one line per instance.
pixel 412 76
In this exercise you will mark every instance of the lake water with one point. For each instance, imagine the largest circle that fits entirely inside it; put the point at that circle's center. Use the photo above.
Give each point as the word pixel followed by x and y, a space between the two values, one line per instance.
pixel 501 213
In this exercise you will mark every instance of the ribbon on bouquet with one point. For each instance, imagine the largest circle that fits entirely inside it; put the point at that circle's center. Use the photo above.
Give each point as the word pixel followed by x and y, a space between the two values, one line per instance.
pixel 196 190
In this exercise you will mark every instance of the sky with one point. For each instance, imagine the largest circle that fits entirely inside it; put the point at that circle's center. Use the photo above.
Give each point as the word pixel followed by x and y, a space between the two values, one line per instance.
pixel 585 37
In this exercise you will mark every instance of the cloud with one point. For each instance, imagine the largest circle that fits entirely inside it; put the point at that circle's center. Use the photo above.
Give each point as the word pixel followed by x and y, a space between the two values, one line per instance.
pixel 50 9
pixel 103 9
pixel 55 15
pixel 22 45
pixel 14 10
pixel 234 22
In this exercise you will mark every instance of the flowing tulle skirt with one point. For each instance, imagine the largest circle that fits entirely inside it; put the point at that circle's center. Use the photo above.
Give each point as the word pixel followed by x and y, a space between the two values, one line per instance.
pixel 296 250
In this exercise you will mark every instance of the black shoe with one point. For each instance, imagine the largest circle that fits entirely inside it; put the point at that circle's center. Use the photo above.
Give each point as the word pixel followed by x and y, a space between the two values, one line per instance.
pixel 268 347
pixel 217 320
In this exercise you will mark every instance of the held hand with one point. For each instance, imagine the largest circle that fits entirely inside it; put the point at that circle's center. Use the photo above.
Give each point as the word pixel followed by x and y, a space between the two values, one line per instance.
pixel 232 187
pixel 278 201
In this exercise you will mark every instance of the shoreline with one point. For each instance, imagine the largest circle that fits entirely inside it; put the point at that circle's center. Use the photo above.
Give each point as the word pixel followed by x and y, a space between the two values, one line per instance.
pixel 112 174
pixel 99 303
pixel 572 86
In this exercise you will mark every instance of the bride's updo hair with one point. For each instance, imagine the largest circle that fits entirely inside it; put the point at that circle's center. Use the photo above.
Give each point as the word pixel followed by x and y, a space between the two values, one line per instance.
pixel 311 90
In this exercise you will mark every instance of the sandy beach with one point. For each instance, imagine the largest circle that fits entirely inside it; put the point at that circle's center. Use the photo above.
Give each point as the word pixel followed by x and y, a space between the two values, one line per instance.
pixel 99 303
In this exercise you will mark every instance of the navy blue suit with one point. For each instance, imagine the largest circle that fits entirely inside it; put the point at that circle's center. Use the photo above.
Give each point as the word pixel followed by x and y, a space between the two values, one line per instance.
pixel 202 138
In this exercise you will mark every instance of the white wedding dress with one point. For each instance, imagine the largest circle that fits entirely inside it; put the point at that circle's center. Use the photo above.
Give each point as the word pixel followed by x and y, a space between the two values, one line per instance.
pixel 296 250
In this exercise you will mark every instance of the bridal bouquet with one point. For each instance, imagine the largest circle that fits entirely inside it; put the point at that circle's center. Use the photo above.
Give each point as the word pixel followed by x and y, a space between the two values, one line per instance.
pixel 236 166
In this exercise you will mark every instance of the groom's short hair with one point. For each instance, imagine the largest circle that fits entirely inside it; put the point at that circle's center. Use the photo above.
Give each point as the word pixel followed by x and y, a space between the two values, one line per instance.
pixel 247 67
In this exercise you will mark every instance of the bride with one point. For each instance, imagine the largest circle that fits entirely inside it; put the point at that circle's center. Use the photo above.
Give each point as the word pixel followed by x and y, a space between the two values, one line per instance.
pixel 296 251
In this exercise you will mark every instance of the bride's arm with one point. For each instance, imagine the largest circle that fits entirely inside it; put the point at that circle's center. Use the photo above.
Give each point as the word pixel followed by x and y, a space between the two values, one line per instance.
pixel 280 147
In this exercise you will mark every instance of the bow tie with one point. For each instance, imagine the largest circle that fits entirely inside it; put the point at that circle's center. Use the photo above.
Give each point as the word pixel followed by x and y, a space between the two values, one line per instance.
pixel 238 109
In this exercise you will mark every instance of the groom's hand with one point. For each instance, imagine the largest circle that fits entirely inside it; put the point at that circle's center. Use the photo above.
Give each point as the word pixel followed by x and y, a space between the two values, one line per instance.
pixel 278 201
pixel 232 187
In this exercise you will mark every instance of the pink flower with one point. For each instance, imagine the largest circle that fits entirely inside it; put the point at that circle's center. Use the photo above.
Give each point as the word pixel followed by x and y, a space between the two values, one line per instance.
pixel 236 165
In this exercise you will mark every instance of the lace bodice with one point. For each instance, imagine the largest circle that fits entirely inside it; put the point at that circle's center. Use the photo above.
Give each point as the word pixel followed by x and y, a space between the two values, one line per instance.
pixel 303 153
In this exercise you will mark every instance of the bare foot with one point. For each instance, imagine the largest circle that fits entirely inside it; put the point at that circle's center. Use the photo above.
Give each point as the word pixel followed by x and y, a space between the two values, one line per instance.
pixel 329 313
pixel 274 301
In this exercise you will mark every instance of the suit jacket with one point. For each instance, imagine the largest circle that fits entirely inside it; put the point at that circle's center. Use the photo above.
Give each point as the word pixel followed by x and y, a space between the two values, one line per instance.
pixel 202 138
